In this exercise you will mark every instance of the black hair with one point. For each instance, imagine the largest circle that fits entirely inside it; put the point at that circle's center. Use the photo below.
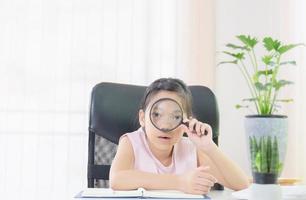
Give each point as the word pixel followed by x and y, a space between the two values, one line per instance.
pixel 171 85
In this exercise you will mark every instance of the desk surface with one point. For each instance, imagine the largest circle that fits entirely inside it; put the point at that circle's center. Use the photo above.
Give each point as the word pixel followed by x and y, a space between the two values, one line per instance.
pixel 221 195
pixel 297 192
pixel 214 195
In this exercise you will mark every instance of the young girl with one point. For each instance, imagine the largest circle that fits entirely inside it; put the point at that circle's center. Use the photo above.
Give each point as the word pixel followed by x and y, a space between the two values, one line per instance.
pixel 154 159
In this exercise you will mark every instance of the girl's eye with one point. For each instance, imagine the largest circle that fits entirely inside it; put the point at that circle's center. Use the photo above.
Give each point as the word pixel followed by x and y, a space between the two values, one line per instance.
pixel 155 114
pixel 177 117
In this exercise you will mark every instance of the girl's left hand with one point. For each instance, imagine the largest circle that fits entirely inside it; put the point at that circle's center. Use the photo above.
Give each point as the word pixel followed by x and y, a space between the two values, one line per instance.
pixel 196 133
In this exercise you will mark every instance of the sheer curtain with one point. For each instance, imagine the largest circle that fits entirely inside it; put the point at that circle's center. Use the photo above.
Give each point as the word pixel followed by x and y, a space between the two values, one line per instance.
pixel 293 30
pixel 296 31
pixel 53 52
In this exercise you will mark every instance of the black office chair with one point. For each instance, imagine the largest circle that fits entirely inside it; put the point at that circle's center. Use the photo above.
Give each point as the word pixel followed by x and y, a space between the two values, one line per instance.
pixel 114 111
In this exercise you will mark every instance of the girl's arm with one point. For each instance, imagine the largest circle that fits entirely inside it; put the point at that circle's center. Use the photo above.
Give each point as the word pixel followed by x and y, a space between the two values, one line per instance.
pixel 225 170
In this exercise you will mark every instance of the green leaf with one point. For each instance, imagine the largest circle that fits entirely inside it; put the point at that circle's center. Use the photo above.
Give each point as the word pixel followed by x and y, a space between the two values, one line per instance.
pixel 259 86
pixel 258 161
pixel 255 78
pixel 268 85
pixel 288 63
pixel 253 150
pixel 269 152
pixel 267 59
pixel 238 56
pixel 264 72
pixel 249 99
pixel 268 43
pixel 228 62
pixel 261 72
pixel 275 157
pixel 288 47
pixel 271 44
pixel 233 46
pixel 248 40
pixel 264 161
pixel 284 100
pixel 279 167
pixel 238 106
pixel 281 83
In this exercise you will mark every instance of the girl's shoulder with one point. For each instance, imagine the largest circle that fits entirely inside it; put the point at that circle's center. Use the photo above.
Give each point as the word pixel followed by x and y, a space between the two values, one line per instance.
pixel 132 135
pixel 135 135
pixel 135 139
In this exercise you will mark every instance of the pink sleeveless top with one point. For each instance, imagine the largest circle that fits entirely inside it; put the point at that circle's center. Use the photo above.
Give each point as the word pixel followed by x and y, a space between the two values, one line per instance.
pixel 184 157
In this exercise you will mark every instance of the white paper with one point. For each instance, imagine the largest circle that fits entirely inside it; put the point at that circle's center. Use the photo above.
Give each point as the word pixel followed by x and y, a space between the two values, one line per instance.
pixel 170 194
pixel 107 192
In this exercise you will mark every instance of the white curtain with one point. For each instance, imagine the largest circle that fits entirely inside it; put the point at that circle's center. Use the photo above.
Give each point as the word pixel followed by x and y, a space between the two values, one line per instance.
pixel 294 30
pixel 53 52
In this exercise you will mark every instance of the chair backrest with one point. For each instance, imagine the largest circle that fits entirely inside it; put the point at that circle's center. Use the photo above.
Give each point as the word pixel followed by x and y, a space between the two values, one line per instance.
pixel 113 112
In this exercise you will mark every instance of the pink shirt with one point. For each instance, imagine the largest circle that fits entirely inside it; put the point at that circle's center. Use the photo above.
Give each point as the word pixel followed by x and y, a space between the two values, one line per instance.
pixel 184 157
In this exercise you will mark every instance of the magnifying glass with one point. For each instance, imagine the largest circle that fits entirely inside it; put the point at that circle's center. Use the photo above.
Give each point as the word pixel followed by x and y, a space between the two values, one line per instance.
pixel 166 115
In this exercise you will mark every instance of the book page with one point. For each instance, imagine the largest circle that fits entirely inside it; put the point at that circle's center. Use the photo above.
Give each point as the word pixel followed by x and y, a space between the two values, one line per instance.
pixel 107 192
pixel 171 194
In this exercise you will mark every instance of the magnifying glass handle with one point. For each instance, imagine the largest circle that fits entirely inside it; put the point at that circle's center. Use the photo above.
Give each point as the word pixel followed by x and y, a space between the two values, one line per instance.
pixel 187 124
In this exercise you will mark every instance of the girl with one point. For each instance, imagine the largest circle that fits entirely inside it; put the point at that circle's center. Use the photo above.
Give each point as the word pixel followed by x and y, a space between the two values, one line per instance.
pixel 154 159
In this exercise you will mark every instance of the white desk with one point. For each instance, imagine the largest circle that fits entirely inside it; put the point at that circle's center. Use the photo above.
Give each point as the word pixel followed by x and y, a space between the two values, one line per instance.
pixel 218 195
pixel 214 195
pixel 226 194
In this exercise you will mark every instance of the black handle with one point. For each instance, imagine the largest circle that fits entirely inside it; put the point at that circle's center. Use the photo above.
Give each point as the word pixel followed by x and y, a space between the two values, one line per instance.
pixel 187 124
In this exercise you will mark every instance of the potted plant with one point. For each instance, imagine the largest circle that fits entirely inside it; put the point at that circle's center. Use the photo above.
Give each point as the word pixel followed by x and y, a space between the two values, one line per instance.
pixel 266 131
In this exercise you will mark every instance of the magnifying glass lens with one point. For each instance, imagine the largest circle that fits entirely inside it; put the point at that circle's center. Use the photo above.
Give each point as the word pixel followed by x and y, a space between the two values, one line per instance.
pixel 166 114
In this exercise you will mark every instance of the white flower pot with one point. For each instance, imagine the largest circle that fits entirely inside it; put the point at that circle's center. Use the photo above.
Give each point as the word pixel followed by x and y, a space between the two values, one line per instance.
pixel 265 192
pixel 267 141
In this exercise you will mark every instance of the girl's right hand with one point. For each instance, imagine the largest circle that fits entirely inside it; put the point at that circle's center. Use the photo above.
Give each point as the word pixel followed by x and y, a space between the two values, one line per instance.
pixel 197 181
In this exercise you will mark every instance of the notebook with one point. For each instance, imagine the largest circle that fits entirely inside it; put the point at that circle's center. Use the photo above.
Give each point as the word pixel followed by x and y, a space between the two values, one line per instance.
pixel 139 193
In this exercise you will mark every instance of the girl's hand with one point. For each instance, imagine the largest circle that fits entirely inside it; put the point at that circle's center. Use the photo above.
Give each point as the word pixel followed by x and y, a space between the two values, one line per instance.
pixel 197 181
pixel 200 134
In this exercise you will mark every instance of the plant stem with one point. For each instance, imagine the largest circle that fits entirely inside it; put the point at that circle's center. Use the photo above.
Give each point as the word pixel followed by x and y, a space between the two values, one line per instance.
pixel 255 59
pixel 252 61
pixel 273 80
pixel 266 98
pixel 272 104
pixel 250 85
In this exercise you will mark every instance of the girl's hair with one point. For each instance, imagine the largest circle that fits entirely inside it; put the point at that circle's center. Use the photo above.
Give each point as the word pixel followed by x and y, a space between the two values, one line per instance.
pixel 172 85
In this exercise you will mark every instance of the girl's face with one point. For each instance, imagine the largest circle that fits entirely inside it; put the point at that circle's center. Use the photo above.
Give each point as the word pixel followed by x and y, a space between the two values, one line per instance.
pixel 157 138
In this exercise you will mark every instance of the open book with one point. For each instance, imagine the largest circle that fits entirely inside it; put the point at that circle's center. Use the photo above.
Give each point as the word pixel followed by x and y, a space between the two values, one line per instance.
pixel 141 192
